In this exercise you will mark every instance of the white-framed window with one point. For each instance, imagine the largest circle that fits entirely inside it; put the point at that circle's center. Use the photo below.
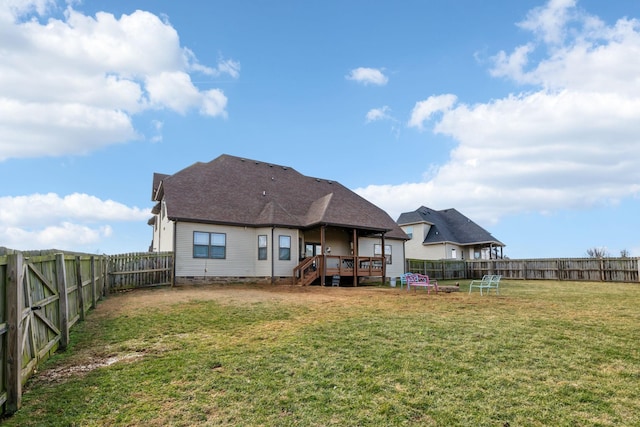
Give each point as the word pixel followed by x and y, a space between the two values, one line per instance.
pixel 409 231
pixel 284 248
pixel 209 245
pixel 453 253
pixel 262 247
pixel 377 251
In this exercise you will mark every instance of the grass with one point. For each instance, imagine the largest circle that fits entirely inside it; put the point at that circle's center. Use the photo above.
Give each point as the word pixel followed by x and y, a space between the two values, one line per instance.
pixel 540 354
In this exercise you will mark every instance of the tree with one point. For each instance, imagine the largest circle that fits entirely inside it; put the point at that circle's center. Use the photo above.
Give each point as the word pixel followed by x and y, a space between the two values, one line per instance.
pixel 597 252
pixel 624 253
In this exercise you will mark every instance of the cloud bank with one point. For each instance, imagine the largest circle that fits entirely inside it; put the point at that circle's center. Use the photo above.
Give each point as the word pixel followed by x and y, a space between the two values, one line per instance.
pixel 71 221
pixel 571 142
pixel 73 84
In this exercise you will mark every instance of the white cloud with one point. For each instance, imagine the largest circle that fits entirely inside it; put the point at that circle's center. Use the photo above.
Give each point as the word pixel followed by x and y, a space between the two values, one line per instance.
pixel 49 220
pixel 18 7
pixel 368 76
pixel 72 85
pixel 423 110
pixel 549 21
pixel 376 114
pixel 64 236
pixel 572 143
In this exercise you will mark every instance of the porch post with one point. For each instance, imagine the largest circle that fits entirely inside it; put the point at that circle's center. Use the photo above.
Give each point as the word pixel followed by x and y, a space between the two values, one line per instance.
pixel 384 261
pixel 355 257
pixel 323 271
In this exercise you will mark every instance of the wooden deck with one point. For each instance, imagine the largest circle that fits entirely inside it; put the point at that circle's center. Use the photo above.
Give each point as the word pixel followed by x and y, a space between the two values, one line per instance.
pixel 315 267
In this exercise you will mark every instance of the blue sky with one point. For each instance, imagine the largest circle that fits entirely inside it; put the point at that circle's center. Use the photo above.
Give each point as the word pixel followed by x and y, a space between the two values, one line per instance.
pixel 524 116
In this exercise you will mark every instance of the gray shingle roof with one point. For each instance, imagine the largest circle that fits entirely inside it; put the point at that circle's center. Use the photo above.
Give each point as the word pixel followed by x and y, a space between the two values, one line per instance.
pixel 448 225
pixel 237 191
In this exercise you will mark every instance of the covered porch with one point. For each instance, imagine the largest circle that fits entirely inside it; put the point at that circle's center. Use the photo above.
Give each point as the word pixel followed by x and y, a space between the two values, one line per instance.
pixel 330 251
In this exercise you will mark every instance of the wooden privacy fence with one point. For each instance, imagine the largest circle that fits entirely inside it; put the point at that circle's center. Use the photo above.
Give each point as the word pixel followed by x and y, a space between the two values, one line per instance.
pixel 577 269
pixel 140 270
pixel 438 269
pixel 43 296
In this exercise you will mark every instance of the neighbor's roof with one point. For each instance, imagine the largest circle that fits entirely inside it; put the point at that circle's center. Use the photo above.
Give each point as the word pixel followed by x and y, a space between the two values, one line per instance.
pixel 238 191
pixel 448 225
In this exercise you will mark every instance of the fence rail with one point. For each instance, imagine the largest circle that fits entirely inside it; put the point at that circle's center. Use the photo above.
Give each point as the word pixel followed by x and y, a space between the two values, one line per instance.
pixel 44 294
pixel 577 269
pixel 140 270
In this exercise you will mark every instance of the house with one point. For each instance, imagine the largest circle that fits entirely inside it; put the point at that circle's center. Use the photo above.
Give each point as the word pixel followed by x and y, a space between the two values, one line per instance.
pixel 236 219
pixel 446 234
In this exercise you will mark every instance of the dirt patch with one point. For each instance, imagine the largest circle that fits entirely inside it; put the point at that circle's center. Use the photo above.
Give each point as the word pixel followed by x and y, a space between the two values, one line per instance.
pixel 126 302
pixel 62 373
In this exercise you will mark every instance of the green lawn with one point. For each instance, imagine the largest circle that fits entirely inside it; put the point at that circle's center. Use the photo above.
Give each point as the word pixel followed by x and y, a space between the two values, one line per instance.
pixel 539 354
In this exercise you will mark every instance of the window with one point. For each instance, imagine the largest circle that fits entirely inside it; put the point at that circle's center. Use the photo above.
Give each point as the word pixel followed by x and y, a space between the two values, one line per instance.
pixel 377 251
pixel 453 253
pixel 409 231
pixel 262 247
pixel 284 253
pixel 209 245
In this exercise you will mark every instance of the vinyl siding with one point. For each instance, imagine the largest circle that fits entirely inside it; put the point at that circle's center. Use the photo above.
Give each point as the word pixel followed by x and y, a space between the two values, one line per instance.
pixel 165 232
pixel 396 268
pixel 285 268
pixel 241 252
pixel 414 247
pixel 336 239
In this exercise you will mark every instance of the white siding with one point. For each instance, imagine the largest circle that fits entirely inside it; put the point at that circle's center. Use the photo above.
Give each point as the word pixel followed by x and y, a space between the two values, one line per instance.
pixel 396 268
pixel 336 239
pixel 165 233
pixel 285 268
pixel 436 251
pixel 414 247
pixel 162 232
pixel 241 252
pixel 155 242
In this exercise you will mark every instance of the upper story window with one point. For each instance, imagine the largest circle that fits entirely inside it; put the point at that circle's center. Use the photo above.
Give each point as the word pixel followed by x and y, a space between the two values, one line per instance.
pixel 377 251
pixel 284 248
pixel 262 247
pixel 409 231
pixel 209 245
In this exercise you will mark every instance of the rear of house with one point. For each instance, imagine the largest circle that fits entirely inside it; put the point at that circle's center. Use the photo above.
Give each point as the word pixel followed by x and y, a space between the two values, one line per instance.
pixel 235 219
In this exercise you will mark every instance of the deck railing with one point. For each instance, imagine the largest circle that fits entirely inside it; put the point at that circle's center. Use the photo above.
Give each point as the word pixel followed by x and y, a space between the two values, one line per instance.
pixel 311 268
pixel 307 271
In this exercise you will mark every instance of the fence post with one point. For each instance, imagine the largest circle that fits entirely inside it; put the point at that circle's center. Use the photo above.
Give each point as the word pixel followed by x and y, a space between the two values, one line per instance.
pixel 63 306
pixel 105 275
pixel 94 296
pixel 14 307
pixel 80 290
pixel 560 272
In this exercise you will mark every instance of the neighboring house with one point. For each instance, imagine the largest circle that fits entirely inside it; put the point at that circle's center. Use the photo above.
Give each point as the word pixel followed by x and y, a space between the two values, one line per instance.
pixel 446 234
pixel 239 219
